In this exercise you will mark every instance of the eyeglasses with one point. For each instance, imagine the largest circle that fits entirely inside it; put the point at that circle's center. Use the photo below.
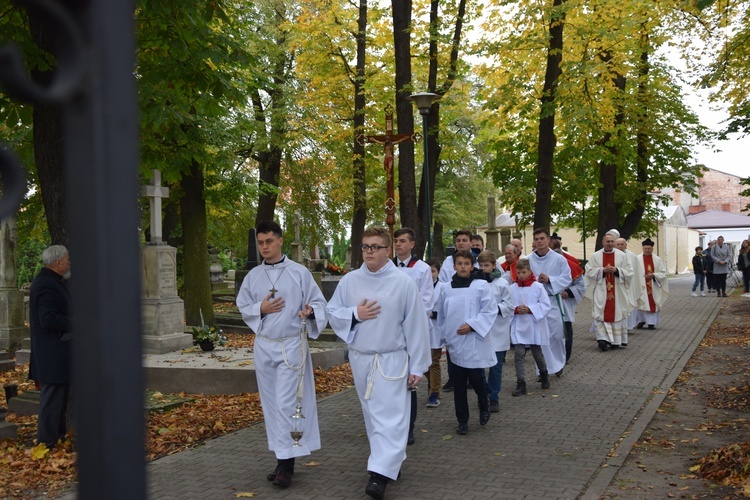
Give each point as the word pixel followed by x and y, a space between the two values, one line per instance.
pixel 372 248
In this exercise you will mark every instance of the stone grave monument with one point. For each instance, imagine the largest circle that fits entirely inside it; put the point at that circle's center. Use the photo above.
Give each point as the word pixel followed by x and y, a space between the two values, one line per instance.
pixel 12 325
pixel 163 309
pixel 253 259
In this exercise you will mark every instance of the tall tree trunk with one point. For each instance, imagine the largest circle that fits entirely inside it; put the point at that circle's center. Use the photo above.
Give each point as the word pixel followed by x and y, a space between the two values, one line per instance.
pixel 407 188
pixel 609 216
pixel 547 139
pixel 48 148
pixel 635 216
pixel 359 215
pixel 196 265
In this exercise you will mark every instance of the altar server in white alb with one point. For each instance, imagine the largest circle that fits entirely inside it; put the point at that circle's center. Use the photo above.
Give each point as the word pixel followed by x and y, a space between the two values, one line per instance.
pixel 652 275
pixel 608 273
pixel 378 311
pixel 552 271
pixel 634 287
pixel 421 273
pixel 273 299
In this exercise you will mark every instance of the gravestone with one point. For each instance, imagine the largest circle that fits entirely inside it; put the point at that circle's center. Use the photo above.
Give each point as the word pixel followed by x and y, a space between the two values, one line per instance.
pixel 215 270
pixel 297 245
pixel 253 259
pixel 12 326
pixel 163 309
pixel 505 237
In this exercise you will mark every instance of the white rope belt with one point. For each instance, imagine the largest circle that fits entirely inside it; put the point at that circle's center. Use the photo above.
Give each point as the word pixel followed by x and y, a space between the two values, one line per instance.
pixel 376 366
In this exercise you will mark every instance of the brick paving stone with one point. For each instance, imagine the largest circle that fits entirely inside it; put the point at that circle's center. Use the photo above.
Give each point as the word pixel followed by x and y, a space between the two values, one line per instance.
pixel 550 444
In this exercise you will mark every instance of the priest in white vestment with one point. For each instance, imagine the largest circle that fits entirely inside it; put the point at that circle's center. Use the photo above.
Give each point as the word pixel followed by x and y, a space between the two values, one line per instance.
pixel 652 275
pixel 379 313
pixel 553 272
pixel 273 299
pixel 634 287
pixel 607 274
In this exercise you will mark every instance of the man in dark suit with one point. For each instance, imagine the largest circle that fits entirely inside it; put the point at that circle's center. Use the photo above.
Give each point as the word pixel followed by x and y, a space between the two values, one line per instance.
pixel 49 315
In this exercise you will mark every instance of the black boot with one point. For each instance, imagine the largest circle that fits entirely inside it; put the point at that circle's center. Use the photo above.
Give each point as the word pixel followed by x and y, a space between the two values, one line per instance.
pixel 545 379
pixel 376 485
pixel 520 388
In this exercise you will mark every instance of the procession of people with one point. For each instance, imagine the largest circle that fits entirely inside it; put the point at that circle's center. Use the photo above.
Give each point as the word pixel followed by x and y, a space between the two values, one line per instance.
pixel 398 313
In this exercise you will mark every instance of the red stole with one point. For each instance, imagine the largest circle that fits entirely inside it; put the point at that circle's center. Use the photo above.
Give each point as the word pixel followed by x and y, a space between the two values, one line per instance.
pixel 648 265
pixel 512 267
pixel 608 259
pixel 575 267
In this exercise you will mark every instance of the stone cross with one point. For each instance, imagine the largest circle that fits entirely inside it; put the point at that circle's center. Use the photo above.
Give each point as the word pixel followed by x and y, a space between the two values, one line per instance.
pixel 154 191
pixel 388 140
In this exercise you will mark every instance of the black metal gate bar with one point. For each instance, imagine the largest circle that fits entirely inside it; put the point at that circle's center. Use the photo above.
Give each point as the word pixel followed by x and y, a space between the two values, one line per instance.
pixel 101 152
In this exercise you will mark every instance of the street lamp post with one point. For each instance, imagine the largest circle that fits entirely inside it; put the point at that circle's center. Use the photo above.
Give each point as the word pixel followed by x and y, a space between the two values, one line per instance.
pixel 424 101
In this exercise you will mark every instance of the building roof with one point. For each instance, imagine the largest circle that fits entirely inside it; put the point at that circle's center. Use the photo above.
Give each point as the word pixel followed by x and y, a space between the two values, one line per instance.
pixel 717 218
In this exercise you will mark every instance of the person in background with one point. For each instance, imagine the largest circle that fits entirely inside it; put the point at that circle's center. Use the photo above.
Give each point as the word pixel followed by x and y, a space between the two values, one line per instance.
pixel 51 335
pixel 699 269
pixel 721 254
pixel 743 264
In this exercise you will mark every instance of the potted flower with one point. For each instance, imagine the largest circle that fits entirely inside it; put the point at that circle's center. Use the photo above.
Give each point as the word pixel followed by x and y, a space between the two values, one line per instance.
pixel 208 337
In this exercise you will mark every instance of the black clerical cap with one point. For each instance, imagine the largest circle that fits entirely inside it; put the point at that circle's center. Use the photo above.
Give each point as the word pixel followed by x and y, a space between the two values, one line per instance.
pixel 647 242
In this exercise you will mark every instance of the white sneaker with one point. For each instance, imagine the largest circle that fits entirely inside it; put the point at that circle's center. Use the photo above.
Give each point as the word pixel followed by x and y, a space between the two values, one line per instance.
pixel 693 294
pixel 703 294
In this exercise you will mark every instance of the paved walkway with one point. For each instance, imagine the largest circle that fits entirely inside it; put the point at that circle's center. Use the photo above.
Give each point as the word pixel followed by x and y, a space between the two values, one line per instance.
pixel 559 444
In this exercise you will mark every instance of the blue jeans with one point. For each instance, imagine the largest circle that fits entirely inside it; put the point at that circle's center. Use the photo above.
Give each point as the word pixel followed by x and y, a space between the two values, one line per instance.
pixel 699 278
pixel 495 379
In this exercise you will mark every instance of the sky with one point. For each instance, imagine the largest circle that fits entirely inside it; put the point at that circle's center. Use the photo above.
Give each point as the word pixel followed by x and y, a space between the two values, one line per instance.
pixel 734 155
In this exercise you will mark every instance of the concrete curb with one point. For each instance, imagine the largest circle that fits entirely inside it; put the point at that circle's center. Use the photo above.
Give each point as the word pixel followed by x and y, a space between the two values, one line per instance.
pixel 611 465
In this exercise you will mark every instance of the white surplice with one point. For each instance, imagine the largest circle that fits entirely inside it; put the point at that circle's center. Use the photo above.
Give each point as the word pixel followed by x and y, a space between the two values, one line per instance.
pixel 383 351
pixel 474 305
pixel 634 290
pixel 447 270
pixel 279 350
pixel 500 333
pixel 614 332
pixel 659 290
pixel 556 267
pixel 530 329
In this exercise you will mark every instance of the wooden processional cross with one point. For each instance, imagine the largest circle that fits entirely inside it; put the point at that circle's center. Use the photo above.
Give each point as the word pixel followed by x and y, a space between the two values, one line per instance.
pixel 388 140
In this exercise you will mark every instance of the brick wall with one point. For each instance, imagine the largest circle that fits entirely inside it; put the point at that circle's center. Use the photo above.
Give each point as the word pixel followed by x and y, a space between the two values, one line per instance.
pixel 720 191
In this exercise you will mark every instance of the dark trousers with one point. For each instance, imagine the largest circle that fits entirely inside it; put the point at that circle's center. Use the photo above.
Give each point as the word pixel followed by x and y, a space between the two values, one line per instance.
pixel 476 376
pixel 495 378
pixel 720 282
pixel 413 414
pixel 710 281
pixel 53 409
pixel 568 340
pixel 450 365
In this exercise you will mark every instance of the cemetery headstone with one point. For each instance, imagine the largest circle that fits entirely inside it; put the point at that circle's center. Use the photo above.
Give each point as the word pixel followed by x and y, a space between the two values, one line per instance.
pixel 12 325
pixel 253 259
pixel 163 309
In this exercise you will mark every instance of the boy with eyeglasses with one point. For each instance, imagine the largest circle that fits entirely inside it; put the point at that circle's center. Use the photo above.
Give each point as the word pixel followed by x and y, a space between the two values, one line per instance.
pixel 377 310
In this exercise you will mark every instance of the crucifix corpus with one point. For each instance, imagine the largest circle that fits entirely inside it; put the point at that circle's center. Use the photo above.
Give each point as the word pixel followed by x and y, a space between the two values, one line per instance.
pixel 388 140
pixel 155 192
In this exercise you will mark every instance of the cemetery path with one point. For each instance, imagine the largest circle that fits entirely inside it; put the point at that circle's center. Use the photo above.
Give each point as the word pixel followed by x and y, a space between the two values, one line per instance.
pixel 564 443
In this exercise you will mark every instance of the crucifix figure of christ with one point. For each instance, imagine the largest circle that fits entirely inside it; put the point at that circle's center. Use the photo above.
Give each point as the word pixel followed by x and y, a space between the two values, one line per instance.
pixel 388 140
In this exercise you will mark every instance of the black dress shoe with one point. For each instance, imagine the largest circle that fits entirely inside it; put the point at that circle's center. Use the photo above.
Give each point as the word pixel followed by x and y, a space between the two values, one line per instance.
pixel 640 325
pixel 462 429
pixel 602 345
pixel 376 485
pixel 283 478
pixel 651 327
pixel 484 417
